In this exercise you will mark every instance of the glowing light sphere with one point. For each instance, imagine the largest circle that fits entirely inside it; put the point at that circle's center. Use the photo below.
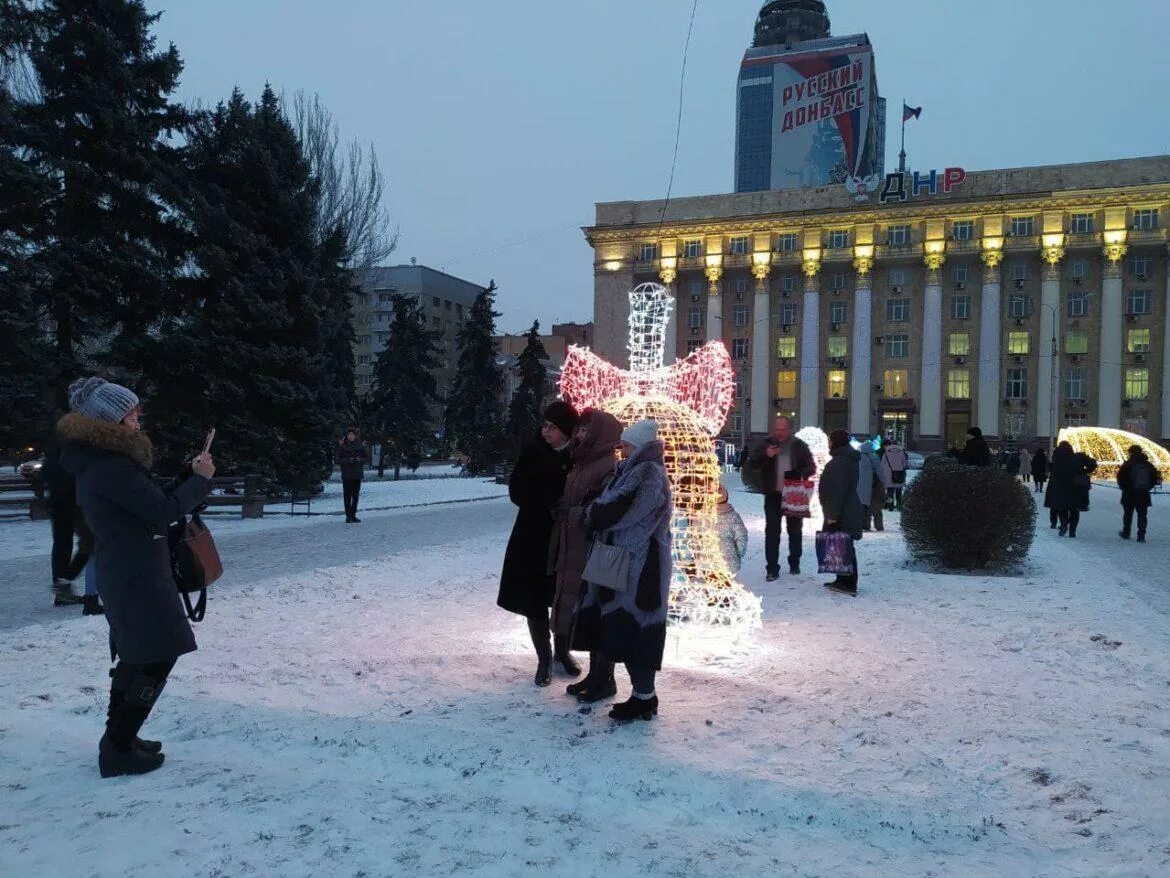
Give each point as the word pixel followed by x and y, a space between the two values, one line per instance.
pixel 689 399
pixel 1110 448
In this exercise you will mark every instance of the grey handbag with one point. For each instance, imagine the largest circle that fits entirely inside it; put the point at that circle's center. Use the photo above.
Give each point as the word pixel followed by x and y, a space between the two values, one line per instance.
pixel 607 566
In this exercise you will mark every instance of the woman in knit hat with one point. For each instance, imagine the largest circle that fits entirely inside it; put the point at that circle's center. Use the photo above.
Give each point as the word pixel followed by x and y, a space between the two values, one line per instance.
pixel 105 450
pixel 527 584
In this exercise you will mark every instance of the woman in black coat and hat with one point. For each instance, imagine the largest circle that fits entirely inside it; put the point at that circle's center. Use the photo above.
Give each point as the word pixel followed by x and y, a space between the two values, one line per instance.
pixel 1068 487
pixel 130 516
pixel 527 584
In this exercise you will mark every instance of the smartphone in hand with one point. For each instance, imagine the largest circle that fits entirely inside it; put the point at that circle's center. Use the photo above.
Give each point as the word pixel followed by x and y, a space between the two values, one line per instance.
pixel 207 442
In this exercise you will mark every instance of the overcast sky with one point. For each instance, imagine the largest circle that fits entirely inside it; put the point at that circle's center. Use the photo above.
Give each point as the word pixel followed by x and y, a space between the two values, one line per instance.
pixel 500 124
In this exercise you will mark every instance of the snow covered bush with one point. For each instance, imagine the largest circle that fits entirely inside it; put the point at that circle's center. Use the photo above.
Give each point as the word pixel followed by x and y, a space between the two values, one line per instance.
pixel 967 517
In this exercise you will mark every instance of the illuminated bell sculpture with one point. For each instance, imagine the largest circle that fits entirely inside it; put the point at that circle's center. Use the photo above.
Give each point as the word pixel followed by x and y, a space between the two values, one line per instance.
pixel 1110 448
pixel 689 399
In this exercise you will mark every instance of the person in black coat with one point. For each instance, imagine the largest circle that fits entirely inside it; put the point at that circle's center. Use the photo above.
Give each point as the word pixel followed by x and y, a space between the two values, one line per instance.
pixel 68 523
pixel 1068 489
pixel 130 516
pixel 840 501
pixel 1136 478
pixel 976 452
pixel 351 454
pixel 1040 469
pixel 527 584
pixel 781 457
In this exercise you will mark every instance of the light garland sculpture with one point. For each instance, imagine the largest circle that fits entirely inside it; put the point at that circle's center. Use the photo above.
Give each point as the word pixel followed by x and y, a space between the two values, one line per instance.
pixel 1110 448
pixel 818 443
pixel 689 399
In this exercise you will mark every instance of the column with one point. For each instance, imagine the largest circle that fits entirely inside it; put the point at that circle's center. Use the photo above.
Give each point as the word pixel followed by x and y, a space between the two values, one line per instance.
pixel 1048 373
pixel 715 303
pixel 810 347
pixel 990 335
pixel 670 338
pixel 762 362
pixel 930 392
pixel 861 381
pixel 1109 376
pixel 1166 360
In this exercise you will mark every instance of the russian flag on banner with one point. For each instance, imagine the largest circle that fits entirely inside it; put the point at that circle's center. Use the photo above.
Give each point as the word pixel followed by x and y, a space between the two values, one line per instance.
pixel 909 112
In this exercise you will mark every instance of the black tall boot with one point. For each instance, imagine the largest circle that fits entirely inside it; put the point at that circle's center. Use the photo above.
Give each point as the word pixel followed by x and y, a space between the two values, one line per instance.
pixel 562 655
pixel 118 752
pixel 120 679
pixel 599 683
pixel 542 641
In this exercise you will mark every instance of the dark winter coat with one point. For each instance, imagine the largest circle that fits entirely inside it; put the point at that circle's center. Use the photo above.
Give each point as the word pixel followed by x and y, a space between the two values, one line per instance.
pixel 537 483
pixel 633 512
pixel 593 467
pixel 803 464
pixel 129 515
pixel 838 491
pixel 59 483
pixel 1063 494
pixel 976 452
pixel 1040 466
pixel 1136 497
pixel 1012 463
pixel 352 457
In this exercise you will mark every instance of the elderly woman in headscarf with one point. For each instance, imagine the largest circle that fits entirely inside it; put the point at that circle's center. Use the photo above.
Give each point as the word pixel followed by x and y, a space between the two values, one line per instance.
pixel 633 513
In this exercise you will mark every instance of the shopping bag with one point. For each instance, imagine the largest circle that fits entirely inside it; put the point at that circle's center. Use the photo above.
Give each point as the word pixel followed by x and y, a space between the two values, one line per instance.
pixel 796 498
pixel 835 553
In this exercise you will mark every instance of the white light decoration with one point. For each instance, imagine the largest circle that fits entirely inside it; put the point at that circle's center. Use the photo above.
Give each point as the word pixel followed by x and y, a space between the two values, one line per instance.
pixel 1110 448
pixel 818 443
pixel 689 399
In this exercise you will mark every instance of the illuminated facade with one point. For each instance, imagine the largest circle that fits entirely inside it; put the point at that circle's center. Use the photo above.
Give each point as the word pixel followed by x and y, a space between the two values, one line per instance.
pixel 1019 301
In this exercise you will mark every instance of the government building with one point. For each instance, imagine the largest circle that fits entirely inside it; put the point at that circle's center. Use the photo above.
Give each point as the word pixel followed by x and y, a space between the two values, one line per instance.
pixel 1015 300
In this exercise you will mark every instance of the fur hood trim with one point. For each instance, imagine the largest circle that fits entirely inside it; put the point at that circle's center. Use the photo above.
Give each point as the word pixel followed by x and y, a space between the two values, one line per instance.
pixel 107 436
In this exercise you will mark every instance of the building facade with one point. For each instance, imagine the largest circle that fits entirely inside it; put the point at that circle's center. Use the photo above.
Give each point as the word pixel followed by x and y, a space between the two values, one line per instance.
pixel 1016 300
pixel 808 112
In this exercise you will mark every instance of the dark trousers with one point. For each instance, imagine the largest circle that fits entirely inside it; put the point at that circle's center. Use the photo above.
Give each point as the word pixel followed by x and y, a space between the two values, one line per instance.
pixel 1053 517
pixel 67 523
pixel 1040 485
pixel 134 689
pixel 774 522
pixel 1127 519
pixel 351 489
pixel 1069 519
pixel 894 497
pixel 641 677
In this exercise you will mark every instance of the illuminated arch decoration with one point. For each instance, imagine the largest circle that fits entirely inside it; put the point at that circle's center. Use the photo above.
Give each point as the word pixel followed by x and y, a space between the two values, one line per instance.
pixel 689 399
pixel 1110 448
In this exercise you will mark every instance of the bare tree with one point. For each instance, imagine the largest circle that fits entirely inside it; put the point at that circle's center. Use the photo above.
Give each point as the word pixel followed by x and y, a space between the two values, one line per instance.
pixel 17 76
pixel 352 185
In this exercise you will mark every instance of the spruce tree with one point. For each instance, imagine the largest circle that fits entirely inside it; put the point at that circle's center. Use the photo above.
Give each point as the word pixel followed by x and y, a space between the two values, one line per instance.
pixel 401 401
pixel 527 405
pixel 474 418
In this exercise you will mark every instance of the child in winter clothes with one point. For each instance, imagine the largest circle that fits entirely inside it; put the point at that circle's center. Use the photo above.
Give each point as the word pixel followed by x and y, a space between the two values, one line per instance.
pixel 733 535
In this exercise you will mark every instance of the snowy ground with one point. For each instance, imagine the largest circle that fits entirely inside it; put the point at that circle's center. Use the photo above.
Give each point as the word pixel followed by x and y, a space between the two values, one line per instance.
pixel 373 714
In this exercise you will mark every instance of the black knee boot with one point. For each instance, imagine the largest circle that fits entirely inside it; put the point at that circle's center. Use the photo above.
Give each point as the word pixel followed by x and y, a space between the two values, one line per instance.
pixel 120 679
pixel 562 655
pixel 117 750
pixel 542 641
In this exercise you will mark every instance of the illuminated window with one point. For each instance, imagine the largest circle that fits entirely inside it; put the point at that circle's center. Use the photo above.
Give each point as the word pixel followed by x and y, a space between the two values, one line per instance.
pixel 1074 383
pixel 897 310
pixel 1145 219
pixel 959 384
pixel 836 384
pixel 648 252
pixel 740 245
pixel 1081 224
pixel 838 312
pixel 960 307
pixel 1137 383
pixel 739 348
pixel 1137 302
pixel 897 384
pixel 838 239
pixel 897 345
pixel 786 347
pixel 1076 343
pixel 1138 341
pixel 786 243
pixel 1017 384
pixel 963 230
pixel 692 249
pixel 1018 342
pixel 898 236
pixel 959 344
pixel 837 346
pixel 1021 226
pixel 786 385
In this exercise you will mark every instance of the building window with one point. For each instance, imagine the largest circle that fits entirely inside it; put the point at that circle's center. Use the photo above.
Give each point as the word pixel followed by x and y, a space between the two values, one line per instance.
pixel 741 284
pixel 648 252
pixel 1078 304
pixel 1074 383
pixel 1017 384
pixel 963 230
pixel 364 380
pixel 1076 343
pixel 786 347
pixel 1014 424
pixel 898 236
pixel 693 344
pixel 838 239
pixel 741 315
pixel 960 272
pixel 694 317
pixel 837 282
pixel 1076 419
pixel 1139 267
pixel 788 315
pixel 739 348
pixel 1138 341
pixel 897 277
pixel 1019 342
pixel 835 388
pixel 434 301
pixel 897 345
pixel 958 384
pixel 1082 223
pixel 788 283
pixel 786 243
pixel 1078 268
pixel 740 245
pixel 959 344
pixel 1021 226
pixel 736 424
pixel 382 337
pixel 1137 383
pixel 363 359
pixel 692 249
pixel 696 286
pixel 786 385
pixel 838 312
pixel 897 310
pixel 960 307
pixel 897 384
pixel 1019 271
pixel 837 346
pixel 1137 302
pixel 1145 219
pixel 1019 306
pixel 363 339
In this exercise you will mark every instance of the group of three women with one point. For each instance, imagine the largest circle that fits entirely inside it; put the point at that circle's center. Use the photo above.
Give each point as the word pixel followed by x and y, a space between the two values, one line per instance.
pixel 570 489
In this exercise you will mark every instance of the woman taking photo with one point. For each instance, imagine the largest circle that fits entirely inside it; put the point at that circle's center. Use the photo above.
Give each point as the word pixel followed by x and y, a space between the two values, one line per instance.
pixel 129 516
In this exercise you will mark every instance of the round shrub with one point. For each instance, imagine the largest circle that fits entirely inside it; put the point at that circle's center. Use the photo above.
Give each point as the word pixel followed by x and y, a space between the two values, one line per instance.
pixel 967 517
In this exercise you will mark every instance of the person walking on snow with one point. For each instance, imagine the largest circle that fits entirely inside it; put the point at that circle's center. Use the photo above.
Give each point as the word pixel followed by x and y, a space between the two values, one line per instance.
pixel 1025 464
pixel 843 507
pixel 351 454
pixel 1040 469
pixel 780 458
pixel 1136 478
pixel 894 464
pixel 1068 493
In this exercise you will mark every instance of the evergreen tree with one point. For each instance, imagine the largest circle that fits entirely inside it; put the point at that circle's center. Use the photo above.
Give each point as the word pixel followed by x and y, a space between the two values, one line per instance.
pixel 474 418
pixel 400 403
pixel 528 401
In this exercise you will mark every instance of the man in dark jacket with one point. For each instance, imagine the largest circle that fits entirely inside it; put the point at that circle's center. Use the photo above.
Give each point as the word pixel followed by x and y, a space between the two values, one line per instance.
pixel 351 454
pixel 840 502
pixel 1136 478
pixel 976 452
pixel 781 457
